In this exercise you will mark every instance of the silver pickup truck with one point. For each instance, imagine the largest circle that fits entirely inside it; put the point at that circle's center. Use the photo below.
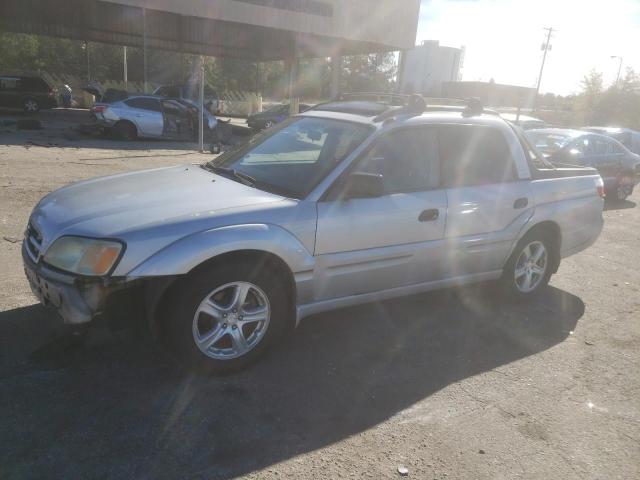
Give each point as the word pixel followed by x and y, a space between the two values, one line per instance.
pixel 350 202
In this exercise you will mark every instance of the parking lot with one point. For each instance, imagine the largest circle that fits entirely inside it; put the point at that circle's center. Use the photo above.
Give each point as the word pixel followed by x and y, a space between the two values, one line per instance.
pixel 451 384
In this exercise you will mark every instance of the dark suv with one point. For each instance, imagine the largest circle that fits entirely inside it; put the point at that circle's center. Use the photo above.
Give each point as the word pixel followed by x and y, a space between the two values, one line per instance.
pixel 29 93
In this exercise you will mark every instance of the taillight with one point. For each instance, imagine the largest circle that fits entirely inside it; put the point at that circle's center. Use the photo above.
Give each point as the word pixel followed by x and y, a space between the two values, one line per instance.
pixel 51 93
pixel 600 187
pixel 98 108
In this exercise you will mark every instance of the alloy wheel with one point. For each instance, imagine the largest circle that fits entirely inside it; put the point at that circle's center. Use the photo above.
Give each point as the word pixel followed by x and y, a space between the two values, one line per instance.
pixel 623 192
pixel 231 320
pixel 531 266
pixel 31 106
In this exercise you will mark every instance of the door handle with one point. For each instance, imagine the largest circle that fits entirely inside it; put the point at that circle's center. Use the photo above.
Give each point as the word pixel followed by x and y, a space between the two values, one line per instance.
pixel 429 215
pixel 521 203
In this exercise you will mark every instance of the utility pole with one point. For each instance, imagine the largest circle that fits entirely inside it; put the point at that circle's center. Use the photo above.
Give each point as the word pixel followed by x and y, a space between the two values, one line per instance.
pixel 619 68
pixel 546 47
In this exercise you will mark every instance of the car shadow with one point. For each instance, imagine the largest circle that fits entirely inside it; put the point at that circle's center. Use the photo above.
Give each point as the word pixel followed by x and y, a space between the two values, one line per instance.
pixel 619 205
pixel 117 408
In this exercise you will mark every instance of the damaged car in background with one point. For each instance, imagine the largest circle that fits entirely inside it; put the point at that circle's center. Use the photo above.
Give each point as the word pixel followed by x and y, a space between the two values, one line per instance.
pixel 349 202
pixel 145 116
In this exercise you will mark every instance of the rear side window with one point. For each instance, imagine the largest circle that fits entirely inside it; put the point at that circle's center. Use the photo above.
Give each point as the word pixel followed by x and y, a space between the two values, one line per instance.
pixel 9 83
pixel 474 155
pixel 145 104
pixel 602 146
pixel 407 159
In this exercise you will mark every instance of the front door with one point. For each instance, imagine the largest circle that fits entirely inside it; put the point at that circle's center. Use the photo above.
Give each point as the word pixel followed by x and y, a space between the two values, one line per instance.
pixel 366 245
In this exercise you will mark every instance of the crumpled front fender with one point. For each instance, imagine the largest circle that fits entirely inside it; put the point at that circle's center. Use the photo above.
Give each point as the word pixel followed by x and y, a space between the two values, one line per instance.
pixel 187 253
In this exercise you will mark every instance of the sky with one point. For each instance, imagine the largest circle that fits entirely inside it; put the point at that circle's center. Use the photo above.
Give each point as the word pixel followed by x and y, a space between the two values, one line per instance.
pixel 503 38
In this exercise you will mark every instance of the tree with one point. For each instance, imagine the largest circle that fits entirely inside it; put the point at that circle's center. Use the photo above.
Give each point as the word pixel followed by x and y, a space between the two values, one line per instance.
pixel 369 73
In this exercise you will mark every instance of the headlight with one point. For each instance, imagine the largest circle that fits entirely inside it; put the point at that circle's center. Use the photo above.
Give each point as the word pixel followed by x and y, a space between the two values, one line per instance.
pixel 85 256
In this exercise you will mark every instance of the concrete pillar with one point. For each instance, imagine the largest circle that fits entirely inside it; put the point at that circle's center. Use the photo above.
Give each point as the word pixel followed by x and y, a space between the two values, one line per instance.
pixel 402 60
pixel 336 70
pixel 144 47
pixel 294 100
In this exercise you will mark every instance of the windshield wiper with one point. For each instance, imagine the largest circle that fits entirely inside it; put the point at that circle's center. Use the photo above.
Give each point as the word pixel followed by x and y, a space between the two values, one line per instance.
pixel 233 174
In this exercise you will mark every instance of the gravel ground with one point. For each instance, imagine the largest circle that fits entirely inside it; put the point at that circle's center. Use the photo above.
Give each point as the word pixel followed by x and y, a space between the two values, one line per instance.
pixel 451 384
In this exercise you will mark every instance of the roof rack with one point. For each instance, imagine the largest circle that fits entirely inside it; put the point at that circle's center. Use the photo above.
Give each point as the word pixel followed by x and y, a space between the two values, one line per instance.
pixel 416 105
pixel 383 106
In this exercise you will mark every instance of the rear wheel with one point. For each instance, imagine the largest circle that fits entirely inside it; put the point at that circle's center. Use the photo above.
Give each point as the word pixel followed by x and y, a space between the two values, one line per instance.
pixel 269 124
pixel 529 268
pixel 223 318
pixel 30 105
pixel 623 191
pixel 125 131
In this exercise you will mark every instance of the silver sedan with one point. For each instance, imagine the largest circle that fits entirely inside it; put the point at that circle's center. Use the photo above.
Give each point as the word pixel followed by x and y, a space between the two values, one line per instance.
pixel 152 117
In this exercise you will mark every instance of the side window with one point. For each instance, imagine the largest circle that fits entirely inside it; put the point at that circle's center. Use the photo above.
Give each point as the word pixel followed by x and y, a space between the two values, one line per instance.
pixel 145 104
pixel 617 149
pixel 9 83
pixel 474 155
pixel 601 147
pixel 407 159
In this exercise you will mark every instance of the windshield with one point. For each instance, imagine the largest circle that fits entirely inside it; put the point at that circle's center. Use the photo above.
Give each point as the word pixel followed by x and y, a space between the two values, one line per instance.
pixel 293 158
pixel 548 143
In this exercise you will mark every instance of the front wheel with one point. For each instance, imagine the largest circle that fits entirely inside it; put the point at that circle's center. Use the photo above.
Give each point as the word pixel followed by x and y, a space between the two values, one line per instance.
pixel 529 268
pixel 223 318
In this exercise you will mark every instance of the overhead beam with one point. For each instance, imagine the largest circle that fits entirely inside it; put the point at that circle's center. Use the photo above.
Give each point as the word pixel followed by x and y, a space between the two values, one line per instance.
pixel 106 22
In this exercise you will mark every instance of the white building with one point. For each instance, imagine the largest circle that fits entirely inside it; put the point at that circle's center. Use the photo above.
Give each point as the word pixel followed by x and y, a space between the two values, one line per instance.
pixel 426 67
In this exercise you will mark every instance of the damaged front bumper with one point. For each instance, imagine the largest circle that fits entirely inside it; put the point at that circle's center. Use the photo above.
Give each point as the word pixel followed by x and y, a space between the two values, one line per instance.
pixel 78 299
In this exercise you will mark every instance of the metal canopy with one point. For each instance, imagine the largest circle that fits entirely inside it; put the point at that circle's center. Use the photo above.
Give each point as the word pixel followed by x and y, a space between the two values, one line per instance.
pixel 203 26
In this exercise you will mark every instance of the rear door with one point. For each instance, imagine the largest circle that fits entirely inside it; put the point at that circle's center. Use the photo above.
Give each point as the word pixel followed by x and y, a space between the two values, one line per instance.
pixel 146 113
pixel 371 244
pixel 487 201
pixel 607 159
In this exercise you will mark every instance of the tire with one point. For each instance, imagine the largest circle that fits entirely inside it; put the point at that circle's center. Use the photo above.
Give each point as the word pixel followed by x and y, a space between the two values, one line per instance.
pixel 30 105
pixel 622 192
pixel 268 124
pixel 203 325
pixel 530 266
pixel 124 130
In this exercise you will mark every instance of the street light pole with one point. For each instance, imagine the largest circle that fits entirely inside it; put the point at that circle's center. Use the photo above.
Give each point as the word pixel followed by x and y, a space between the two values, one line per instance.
pixel 546 47
pixel 619 68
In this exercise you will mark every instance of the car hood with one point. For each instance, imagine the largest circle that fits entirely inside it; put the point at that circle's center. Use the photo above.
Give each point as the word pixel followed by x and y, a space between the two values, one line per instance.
pixel 121 205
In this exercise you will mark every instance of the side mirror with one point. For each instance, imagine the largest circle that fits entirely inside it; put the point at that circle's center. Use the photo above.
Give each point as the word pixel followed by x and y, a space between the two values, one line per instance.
pixel 364 185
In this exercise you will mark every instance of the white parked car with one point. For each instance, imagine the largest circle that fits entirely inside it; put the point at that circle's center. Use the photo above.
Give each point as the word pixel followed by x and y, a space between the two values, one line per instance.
pixel 349 202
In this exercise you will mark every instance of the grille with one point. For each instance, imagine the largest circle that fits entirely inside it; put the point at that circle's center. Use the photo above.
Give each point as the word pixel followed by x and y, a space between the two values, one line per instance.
pixel 33 242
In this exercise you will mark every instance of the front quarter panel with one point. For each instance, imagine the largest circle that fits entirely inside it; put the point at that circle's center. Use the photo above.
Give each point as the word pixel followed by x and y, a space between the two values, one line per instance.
pixel 187 253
